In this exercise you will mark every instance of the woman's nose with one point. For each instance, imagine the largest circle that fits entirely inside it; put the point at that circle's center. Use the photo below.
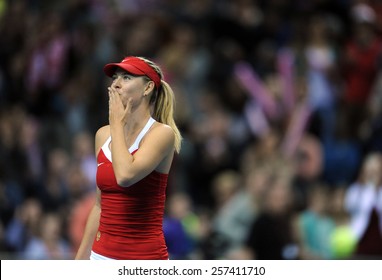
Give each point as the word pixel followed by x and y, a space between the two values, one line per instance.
pixel 116 83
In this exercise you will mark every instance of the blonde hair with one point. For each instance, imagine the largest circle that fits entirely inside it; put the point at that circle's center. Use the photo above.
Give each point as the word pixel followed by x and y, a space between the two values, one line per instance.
pixel 163 100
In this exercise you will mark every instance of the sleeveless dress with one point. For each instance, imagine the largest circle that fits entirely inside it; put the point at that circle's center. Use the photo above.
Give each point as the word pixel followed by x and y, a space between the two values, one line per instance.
pixel 131 217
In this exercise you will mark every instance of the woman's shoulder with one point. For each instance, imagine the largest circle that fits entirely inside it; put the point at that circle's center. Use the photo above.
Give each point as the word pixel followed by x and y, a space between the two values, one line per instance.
pixel 159 135
pixel 162 128
pixel 101 136
pixel 162 131
pixel 103 132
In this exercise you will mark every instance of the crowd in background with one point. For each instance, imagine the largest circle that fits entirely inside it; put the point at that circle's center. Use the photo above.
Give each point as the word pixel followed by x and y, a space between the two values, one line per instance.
pixel 279 103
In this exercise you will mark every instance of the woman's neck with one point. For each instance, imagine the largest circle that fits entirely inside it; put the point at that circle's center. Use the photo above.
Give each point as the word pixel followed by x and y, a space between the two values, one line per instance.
pixel 136 124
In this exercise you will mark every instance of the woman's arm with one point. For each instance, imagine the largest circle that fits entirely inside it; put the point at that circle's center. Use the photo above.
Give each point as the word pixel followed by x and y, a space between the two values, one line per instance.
pixel 156 147
pixel 91 228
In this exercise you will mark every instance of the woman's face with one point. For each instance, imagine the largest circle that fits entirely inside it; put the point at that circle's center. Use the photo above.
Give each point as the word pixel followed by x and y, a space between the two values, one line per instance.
pixel 128 86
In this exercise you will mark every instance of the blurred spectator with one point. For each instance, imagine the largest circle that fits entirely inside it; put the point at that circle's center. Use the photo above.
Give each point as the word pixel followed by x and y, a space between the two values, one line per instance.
pixel 225 186
pixel 361 61
pixel 31 149
pixel 76 106
pixel 181 227
pixel 54 192
pixel 47 65
pixel 214 150
pixel 83 155
pixel 186 63
pixel 19 153
pixel 77 184
pixel 308 168
pixel 315 226
pixel 236 214
pixel 364 204
pixel 48 243
pixel 272 234
pixel 342 152
pixel 320 62
pixel 264 150
pixel 23 225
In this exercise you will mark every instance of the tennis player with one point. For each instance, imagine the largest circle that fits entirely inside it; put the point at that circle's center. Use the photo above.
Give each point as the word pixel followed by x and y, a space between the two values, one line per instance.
pixel 134 155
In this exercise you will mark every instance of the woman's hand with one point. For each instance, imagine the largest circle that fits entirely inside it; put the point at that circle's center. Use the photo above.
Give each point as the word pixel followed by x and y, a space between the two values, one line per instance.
pixel 118 113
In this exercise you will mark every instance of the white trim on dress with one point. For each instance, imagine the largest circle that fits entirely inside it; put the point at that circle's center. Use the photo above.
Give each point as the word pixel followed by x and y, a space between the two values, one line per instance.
pixel 105 147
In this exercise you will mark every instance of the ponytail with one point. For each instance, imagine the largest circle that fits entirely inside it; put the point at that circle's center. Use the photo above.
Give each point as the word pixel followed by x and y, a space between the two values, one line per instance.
pixel 163 100
pixel 164 111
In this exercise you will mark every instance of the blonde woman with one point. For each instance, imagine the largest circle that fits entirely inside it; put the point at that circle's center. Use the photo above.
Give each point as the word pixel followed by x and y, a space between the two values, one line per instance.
pixel 134 155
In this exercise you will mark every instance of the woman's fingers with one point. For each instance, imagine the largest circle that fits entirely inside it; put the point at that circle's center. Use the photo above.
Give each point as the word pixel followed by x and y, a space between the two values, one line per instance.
pixel 117 111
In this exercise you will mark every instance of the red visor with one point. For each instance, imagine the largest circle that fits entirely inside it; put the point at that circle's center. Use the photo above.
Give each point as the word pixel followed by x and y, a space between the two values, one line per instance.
pixel 134 66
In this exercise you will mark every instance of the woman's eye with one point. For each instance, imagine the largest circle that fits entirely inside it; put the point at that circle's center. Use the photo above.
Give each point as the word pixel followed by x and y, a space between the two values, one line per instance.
pixel 123 76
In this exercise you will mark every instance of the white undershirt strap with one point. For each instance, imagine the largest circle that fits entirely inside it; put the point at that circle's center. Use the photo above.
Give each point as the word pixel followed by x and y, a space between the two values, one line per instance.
pixel 143 132
pixel 105 148
pixel 134 146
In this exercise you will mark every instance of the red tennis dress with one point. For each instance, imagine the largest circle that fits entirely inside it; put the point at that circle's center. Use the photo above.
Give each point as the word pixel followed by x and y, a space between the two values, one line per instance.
pixel 131 217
